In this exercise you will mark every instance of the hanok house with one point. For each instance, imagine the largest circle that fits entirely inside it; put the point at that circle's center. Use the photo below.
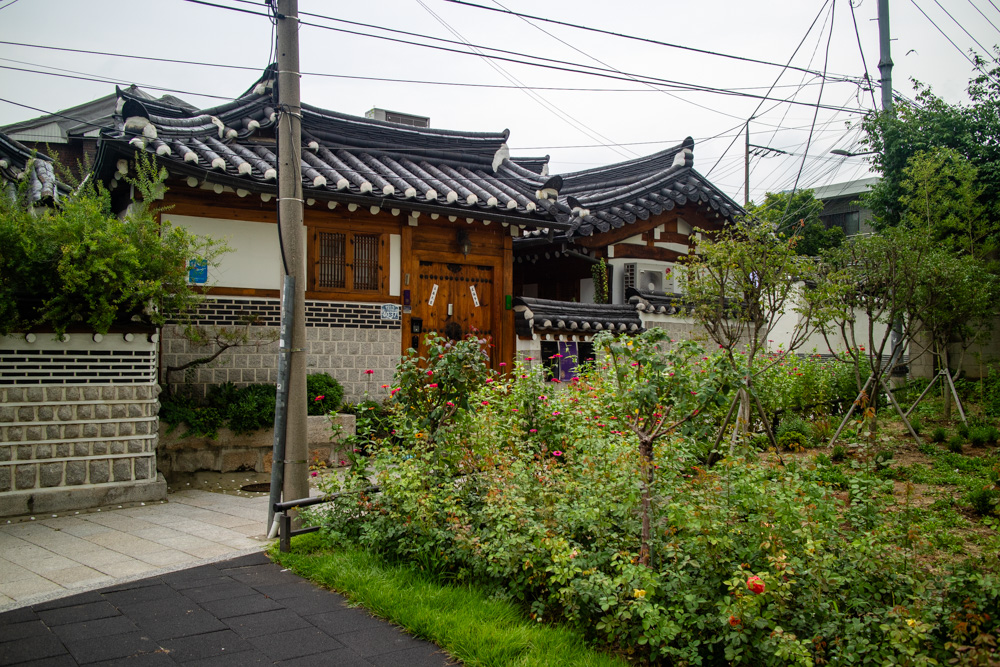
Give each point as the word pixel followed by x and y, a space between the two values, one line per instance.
pixel 408 230
pixel 641 218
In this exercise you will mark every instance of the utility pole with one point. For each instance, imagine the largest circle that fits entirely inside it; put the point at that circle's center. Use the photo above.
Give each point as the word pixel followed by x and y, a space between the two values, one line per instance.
pixel 885 60
pixel 746 169
pixel 296 477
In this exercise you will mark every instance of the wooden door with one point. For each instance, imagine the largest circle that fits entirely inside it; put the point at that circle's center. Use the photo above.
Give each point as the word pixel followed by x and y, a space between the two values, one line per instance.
pixel 453 299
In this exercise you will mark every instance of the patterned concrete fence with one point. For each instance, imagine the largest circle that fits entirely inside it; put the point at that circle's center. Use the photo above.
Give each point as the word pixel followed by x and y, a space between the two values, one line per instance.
pixel 78 424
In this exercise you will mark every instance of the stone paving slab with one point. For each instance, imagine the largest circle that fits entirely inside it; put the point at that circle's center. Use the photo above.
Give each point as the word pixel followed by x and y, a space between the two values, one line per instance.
pixel 58 555
pixel 217 614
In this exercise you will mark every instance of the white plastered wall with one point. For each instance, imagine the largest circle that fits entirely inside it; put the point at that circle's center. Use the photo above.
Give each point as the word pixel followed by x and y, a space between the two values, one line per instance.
pixel 255 258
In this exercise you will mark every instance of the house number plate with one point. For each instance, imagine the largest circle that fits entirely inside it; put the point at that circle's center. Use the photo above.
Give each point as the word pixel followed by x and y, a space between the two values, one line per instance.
pixel 475 297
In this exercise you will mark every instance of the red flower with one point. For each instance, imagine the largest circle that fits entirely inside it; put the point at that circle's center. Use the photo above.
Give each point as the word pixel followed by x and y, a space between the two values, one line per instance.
pixel 755 584
pixel 557 453
pixel 369 372
pixel 433 385
pixel 735 622
pixel 318 399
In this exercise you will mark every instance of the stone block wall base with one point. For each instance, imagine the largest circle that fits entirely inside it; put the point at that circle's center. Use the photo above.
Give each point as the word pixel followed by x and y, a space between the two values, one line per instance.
pixel 229 452
pixel 67 499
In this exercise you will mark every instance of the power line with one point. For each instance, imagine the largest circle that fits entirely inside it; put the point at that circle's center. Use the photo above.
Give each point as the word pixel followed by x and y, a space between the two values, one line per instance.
pixel 558 112
pixel 778 78
pixel 957 47
pixel 117 82
pixel 864 63
pixel 8 5
pixel 938 3
pixel 630 37
pixel 984 16
pixel 826 59
pixel 573 68
pixel 595 59
pixel 379 79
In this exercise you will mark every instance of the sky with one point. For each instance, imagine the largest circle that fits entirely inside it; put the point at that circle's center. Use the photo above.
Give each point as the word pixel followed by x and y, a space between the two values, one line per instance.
pixel 579 119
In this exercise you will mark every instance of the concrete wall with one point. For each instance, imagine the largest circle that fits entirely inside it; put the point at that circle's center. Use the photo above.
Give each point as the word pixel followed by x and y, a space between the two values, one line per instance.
pixel 78 424
pixel 344 340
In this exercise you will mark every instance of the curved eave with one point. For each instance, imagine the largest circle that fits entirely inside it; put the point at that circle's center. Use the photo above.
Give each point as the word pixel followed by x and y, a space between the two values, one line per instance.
pixel 112 150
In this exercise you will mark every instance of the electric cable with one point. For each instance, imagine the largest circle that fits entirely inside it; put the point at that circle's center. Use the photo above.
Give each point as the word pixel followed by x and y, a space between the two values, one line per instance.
pixel 864 63
pixel 559 113
pixel 984 16
pixel 778 78
pixel 630 37
pixel 985 50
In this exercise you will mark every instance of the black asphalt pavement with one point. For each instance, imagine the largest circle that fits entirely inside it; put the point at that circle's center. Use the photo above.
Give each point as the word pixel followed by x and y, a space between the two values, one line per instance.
pixel 244 611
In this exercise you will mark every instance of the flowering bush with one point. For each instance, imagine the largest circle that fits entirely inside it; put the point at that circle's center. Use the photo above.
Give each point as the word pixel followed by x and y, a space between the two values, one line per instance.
pixel 539 494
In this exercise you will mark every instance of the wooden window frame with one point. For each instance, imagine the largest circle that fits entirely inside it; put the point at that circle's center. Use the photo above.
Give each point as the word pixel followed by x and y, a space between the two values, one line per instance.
pixel 348 291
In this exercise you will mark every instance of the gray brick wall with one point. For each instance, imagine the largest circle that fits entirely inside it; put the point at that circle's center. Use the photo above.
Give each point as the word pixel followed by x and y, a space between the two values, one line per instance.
pixel 344 340
pixel 74 432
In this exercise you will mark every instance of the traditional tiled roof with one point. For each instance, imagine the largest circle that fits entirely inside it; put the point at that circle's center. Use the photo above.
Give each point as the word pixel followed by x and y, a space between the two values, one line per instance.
pixel 658 304
pixel 83 119
pixel 18 162
pixel 344 158
pixel 545 317
pixel 611 197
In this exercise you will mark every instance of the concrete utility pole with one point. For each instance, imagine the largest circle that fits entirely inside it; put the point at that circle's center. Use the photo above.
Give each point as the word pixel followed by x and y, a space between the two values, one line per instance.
pixel 885 60
pixel 296 482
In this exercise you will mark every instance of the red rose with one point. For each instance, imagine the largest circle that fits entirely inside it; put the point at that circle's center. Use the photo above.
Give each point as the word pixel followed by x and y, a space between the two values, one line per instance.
pixel 755 584
pixel 735 622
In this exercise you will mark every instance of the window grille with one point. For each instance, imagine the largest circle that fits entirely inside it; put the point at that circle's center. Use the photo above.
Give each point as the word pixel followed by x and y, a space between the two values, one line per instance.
pixel 366 262
pixel 332 260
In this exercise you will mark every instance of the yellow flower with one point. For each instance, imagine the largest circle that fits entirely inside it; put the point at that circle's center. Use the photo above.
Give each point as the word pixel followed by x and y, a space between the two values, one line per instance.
pixel 639 593
pixel 911 622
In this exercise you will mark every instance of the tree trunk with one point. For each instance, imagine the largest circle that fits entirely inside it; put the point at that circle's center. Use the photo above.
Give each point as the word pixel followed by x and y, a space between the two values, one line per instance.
pixel 646 470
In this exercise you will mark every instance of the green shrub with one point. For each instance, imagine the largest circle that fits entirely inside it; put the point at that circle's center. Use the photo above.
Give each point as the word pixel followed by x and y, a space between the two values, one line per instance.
pixel 962 430
pixel 839 453
pixel 252 408
pixel 326 386
pixel 80 264
pixel 793 441
pixel 917 425
pixel 939 435
pixel 979 435
pixel 984 501
pixel 955 444
pixel 797 425
pixel 882 458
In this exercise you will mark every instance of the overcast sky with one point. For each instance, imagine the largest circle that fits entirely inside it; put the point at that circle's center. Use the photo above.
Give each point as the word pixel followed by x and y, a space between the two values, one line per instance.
pixel 601 121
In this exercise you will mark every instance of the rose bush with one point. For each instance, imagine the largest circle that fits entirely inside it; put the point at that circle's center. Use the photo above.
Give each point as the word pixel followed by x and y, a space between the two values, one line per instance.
pixel 749 562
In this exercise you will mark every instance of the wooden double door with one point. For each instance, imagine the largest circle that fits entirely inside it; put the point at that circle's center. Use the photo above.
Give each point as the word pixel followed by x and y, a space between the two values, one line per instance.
pixel 454 299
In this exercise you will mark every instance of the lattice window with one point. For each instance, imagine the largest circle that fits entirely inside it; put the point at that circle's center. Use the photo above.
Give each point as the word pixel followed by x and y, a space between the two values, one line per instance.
pixel 348 261
pixel 366 248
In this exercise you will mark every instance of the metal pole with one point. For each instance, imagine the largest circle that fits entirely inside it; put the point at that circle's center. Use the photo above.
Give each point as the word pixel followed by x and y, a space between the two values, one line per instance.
pixel 296 482
pixel 746 169
pixel 281 399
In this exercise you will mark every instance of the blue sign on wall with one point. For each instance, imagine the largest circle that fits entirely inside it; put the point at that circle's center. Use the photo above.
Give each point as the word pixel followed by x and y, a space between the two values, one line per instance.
pixel 198 271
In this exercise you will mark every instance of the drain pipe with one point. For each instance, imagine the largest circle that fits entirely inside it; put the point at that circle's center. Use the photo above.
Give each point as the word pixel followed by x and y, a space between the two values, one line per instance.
pixel 281 404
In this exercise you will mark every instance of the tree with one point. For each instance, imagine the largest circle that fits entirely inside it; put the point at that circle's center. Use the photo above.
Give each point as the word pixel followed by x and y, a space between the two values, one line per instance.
pixel 80 265
pixel 864 287
pixel 971 130
pixel 797 215
pixel 741 282
pixel 942 198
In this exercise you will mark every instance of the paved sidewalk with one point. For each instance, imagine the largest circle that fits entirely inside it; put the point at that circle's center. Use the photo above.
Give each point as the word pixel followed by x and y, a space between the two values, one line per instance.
pixel 242 611
pixel 51 557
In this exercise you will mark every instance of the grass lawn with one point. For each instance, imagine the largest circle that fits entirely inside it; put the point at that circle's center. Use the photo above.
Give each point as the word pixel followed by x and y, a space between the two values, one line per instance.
pixel 468 623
